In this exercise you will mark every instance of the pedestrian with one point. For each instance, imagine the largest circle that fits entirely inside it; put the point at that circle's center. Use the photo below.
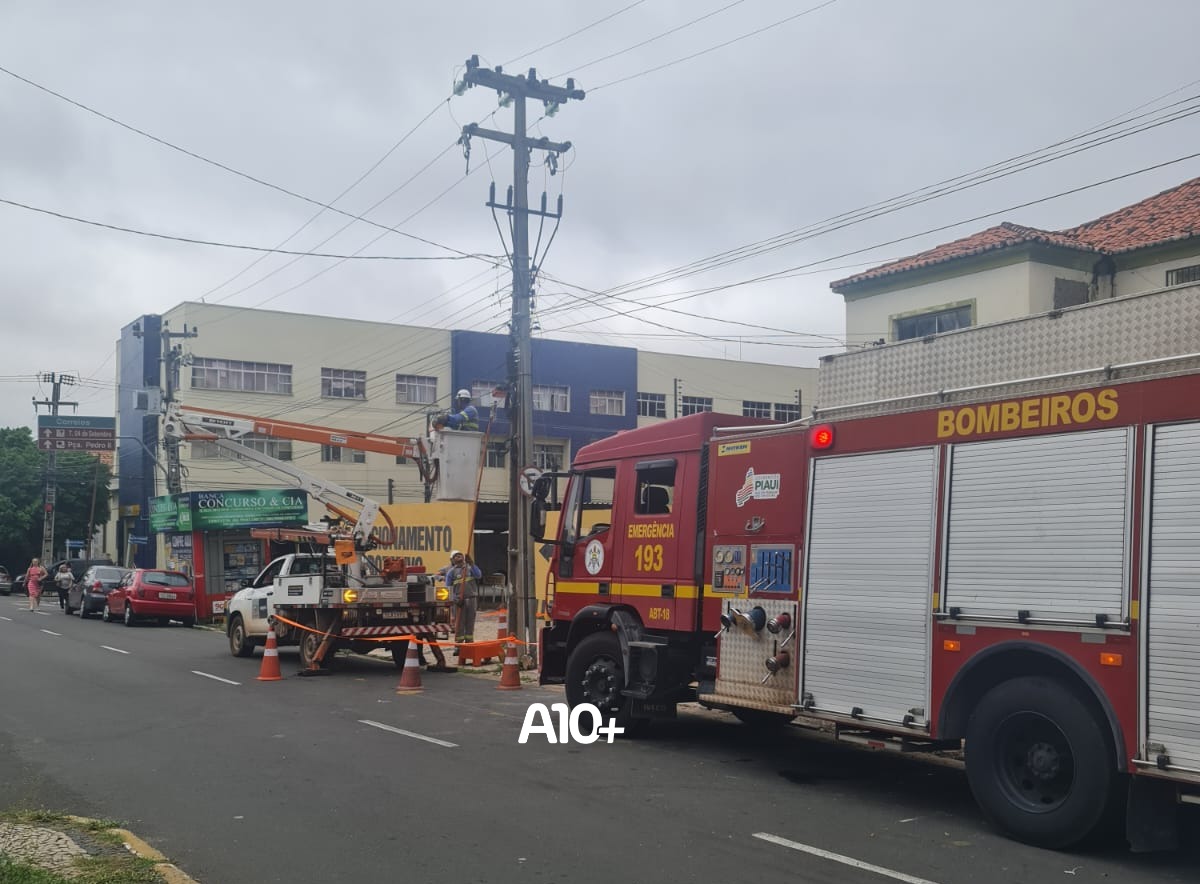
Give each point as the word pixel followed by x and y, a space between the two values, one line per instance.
pixel 462 579
pixel 63 581
pixel 34 575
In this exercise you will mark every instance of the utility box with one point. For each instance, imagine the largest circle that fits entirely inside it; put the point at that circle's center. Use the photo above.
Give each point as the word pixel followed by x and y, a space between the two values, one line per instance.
pixel 456 453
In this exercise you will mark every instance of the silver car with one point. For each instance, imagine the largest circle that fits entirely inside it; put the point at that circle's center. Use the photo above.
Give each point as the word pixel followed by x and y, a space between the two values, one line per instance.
pixel 88 594
pixel 5 581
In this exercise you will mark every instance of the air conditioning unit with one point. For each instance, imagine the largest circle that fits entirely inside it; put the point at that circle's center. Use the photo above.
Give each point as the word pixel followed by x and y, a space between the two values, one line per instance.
pixel 147 400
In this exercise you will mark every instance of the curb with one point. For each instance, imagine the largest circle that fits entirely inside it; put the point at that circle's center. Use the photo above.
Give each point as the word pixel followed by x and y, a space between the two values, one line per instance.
pixel 169 872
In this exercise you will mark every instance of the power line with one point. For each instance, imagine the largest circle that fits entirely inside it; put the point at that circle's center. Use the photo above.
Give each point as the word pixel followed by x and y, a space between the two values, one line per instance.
pixel 223 166
pixel 599 21
pixel 226 245
pixel 754 33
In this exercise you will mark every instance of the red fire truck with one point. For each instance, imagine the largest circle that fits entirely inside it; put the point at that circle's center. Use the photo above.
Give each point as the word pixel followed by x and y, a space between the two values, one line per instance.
pixel 1001 552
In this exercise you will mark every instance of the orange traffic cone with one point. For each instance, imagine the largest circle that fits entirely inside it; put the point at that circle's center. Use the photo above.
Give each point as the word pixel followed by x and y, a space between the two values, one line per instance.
pixel 510 672
pixel 502 625
pixel 410 675
pixel 269 671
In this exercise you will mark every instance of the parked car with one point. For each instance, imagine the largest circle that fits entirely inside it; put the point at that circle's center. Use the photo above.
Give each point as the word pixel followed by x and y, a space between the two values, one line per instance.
pixel 151 593
pixel 88 595
pixel 6 583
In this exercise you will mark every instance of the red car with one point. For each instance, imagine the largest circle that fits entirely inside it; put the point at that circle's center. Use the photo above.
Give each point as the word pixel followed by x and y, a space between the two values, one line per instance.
pixel 151 594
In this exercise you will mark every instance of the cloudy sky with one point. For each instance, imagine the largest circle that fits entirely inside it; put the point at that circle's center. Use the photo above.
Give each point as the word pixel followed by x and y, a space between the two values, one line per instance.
pixel 817 116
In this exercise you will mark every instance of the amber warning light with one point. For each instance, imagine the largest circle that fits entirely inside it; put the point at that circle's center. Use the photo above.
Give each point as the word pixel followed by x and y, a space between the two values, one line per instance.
pixel 821 436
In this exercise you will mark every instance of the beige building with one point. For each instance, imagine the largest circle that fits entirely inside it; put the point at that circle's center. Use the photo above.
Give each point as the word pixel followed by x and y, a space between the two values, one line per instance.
pixel 1010 270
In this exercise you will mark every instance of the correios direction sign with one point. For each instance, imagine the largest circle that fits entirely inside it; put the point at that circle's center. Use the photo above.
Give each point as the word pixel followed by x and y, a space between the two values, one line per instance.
pixel 219 510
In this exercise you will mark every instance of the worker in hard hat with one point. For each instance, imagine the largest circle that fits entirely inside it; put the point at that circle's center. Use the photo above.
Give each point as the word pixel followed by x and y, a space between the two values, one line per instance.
pixel 463 417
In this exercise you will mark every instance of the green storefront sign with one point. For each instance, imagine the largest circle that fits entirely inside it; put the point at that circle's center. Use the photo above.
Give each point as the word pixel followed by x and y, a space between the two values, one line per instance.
pixel 218 510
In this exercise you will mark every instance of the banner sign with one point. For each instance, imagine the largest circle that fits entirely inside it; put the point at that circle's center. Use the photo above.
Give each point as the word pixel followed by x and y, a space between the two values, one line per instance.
pixel 423 533
pixel 219 510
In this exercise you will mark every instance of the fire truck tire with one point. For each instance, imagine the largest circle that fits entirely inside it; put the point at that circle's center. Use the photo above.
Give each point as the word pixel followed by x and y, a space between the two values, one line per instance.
pixel 239 642
pixel 596 675
pixel 1039 762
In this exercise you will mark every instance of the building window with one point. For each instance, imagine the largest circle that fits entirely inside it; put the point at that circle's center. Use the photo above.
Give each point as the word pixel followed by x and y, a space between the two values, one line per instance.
pixel 414 389
pixel 755 409
pixel 548 456
pixel 607 402
pixel 787 411
pixel 242 377
pixel 280 449
pixel 342 383
pixel 652 404
pixel 496 454
pixel 933 322
pixel 1070 292
pixel 338 454
pixel 548 398
pixel 695 404
pixel 1180 275
pixel 401 460
pixel 484 394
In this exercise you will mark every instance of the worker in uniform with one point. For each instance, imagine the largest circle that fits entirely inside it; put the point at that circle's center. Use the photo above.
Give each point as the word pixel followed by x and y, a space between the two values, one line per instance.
pixel 462 579
pixel 463 417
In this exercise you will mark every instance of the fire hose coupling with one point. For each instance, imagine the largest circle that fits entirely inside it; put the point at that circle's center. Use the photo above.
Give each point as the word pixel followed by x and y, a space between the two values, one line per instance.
pixel 754 619
pixel 779 623
pixel 781 660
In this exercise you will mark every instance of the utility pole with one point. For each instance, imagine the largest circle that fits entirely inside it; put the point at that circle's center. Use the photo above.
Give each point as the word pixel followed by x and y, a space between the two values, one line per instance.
pixel 518 89
pixel 172 357
pixel 53 403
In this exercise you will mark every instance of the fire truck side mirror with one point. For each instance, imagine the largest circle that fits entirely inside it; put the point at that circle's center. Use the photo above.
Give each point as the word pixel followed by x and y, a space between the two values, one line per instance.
pixel 537 518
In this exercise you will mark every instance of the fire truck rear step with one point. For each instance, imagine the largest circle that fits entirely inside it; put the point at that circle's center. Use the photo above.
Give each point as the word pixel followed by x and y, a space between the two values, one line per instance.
pixel 875 740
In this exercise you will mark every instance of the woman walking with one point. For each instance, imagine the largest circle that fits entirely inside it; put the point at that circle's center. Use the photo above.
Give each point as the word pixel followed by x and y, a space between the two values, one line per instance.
pixel 33 583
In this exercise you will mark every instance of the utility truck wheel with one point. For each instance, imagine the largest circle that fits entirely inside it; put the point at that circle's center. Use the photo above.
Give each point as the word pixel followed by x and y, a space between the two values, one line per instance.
pixel 1039 762
pixel 309 642
pixel 239 643
pixel 596 675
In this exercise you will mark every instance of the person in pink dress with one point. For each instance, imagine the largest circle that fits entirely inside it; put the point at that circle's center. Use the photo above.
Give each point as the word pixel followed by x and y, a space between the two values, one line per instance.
pixel 33 583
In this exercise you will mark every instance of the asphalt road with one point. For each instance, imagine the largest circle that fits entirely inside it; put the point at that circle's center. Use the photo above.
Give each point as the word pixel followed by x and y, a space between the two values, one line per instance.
pixel 340 779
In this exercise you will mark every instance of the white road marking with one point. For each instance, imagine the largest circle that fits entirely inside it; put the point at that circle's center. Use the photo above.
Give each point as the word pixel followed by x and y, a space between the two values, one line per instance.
pixel 114 650
pixel 403 733
pixel 42 613
pixel 48 632
pixel 214 677
pixel 844 860
pixel 9 619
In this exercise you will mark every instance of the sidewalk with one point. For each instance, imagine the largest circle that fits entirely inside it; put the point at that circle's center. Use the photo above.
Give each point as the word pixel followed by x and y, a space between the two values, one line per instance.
pixel 68 846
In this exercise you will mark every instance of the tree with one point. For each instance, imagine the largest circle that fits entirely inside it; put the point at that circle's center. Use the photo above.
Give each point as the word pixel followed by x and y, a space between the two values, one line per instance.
pixel 22 496
pixel 21 468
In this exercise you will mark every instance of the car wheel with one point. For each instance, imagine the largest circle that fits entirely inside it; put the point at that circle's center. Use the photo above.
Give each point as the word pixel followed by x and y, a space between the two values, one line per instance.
pixel 83 611
pixel 130 620
pixel 106 614
pixel 239 643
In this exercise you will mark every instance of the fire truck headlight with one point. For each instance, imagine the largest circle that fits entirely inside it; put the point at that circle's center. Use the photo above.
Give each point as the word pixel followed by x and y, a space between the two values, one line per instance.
pixel 442 594
pixel 349 596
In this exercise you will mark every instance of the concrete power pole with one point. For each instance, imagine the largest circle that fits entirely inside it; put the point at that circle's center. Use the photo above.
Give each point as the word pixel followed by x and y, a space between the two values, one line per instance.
pixel 518 89
pixel 59 381
pixel 172 356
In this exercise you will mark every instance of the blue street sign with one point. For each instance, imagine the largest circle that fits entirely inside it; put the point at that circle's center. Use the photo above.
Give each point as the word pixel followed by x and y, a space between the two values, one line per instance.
pixel 74 544
pixel 137 539
pixel 77 422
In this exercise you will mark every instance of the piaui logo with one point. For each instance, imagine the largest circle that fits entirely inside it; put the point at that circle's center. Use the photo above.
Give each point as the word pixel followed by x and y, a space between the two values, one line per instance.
pixel 758 487
pixel 570 724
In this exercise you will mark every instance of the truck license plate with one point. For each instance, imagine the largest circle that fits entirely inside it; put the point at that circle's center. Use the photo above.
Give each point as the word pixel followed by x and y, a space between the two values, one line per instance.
pixel 395 615
pixel 167 595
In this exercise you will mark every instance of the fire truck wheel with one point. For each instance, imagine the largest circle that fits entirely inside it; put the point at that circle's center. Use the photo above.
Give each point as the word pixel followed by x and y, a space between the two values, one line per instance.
pixel 1039 762
pixel 595 675
pixel 239 643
